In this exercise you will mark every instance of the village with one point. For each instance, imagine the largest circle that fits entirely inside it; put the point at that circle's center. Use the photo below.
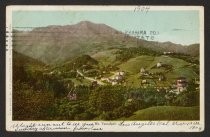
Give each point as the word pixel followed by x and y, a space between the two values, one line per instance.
pixel 161 75
pixel 94 69
pixel 146 80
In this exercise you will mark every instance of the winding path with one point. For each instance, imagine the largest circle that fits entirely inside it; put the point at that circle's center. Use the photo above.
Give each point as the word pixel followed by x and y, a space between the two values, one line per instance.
pixel 89 78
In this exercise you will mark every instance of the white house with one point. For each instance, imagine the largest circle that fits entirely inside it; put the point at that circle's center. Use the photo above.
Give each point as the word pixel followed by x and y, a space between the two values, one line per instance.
pixel 122 73
pixel 181 84
pixel 144 81
pixel 142 70
pixel 159 64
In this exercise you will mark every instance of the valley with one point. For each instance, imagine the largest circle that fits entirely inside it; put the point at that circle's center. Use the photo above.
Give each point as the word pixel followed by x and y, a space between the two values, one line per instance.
pixel 86 72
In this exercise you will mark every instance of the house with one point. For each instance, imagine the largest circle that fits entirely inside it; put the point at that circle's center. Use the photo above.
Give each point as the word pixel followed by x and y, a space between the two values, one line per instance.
pixel 118 77
pixel 159 64
pixel 114 82
pixel 52 72
pixel 181 84
pixel 161 78
pixel 197 81
pixel 142 70
pixel 72 94
pixel 94 84
pixel 122 73
pixel 144 81
pixel 167 53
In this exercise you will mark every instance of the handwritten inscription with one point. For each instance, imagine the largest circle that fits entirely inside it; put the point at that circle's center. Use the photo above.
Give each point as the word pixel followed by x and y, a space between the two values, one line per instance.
pixel 143 124
pixel 144 9
pixel 64 126
pixel 99 126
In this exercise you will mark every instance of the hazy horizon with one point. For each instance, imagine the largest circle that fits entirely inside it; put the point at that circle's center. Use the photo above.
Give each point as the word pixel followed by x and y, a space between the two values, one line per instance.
pixel 180 27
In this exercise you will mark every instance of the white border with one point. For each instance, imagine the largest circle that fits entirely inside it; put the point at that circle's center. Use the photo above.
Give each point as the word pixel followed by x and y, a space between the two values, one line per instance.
pixel 181 126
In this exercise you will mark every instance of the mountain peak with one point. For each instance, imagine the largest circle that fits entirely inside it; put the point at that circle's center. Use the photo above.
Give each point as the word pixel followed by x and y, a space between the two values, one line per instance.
pixel 85 22
pixel 57 43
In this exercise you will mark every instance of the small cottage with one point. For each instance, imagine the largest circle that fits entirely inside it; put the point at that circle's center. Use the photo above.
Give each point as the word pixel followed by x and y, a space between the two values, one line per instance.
pixel 159 64
pixel 144 81
pixel 142 71
pixel 94 84
pixel 161 78
pixel 181 84
pixel 122 73
pixel 72 95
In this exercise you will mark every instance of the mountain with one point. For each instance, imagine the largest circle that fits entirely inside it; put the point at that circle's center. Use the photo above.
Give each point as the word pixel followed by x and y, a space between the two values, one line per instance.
pixel 54 44
pixel 192 49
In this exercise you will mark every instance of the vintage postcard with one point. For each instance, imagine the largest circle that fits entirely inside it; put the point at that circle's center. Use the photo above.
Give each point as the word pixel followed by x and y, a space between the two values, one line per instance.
pixel 105 68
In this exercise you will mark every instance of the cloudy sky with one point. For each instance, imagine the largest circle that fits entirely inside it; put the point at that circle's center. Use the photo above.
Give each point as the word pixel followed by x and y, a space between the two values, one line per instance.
pixel 181 27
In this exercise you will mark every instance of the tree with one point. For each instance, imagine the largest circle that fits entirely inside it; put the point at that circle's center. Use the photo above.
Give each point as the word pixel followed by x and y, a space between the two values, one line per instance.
pixel 106 98
pixel 190 97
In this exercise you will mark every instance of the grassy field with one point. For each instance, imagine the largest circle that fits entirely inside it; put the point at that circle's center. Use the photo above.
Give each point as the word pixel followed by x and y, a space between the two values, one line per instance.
pixel 179 68
pixel 105 57
pixel 134 65
pixel 166 113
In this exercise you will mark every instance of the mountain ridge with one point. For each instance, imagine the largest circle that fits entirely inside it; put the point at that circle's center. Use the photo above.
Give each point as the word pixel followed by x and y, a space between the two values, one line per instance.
pixel 56 43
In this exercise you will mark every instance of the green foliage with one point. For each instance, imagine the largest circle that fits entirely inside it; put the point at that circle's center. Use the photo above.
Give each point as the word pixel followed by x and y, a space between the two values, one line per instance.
pixel 40 95
pixel 70 74
pixel 43 82
pixel 190 97
pixel 82 92
pixel 166 113
pixel 106 98
pixel 64 109
pixel 186 58
pixel 92 73
pixel 126 53
pixel 20 74
pixel 30 105
pixel 183 100
pixel 80 62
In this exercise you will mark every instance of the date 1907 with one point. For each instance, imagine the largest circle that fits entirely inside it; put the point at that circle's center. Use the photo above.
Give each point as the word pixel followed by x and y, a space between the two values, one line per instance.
pixel 144 9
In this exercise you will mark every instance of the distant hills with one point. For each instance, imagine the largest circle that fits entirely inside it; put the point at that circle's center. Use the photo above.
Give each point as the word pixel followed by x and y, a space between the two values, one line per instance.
pixel 55 44
pixel 22 60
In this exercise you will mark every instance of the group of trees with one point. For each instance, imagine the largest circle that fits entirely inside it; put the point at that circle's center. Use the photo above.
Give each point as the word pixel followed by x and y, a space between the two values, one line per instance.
pixel 40 96
pixel 34 92
pixel 39 81
pixel 187 58
pixel 126 53
pixel 114 102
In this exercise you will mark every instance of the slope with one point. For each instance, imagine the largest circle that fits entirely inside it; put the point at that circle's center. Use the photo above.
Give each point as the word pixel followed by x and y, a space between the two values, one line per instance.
pixel 55 44
pixel 166 113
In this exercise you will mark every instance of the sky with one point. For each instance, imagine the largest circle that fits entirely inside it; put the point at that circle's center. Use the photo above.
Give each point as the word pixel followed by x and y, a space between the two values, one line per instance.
pixel 181 27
